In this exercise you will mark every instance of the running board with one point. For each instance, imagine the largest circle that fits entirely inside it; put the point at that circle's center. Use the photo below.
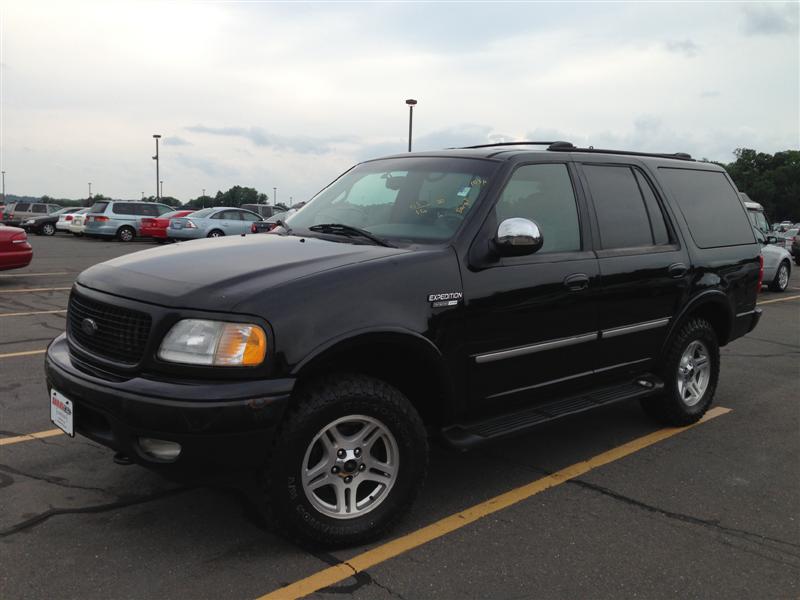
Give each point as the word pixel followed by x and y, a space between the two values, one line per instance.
pixel 467 435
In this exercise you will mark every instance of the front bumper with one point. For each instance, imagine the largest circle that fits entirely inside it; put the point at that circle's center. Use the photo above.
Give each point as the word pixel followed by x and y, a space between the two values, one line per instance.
pixel 225 423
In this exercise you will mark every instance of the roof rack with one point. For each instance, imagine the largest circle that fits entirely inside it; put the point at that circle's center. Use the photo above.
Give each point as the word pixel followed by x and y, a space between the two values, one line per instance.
pixel 570 147
pixel 499 144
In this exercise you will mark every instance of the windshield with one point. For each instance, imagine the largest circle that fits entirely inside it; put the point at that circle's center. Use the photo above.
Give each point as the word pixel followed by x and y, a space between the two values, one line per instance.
pixel 758 220
pixel 405 199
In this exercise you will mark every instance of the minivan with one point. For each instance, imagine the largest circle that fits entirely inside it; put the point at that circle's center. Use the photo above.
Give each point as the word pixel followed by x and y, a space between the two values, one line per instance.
pixel 120 218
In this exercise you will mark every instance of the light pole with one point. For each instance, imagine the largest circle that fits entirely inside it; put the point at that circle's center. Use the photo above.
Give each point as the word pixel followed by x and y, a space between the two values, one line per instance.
pixel 142 195
pixel 90 190
pixel 4 187
pixel 155 158
pixel 203 199
pixel 274 196
pixel 411 103
pixel 162 189
pixel 290 201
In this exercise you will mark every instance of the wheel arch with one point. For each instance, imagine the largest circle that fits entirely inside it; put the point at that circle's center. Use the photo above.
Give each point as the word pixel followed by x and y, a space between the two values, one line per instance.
pixel 712 305
pixel 403 358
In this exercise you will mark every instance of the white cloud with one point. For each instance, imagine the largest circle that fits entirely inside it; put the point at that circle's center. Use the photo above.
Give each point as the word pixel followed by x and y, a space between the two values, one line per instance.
pixel 289 95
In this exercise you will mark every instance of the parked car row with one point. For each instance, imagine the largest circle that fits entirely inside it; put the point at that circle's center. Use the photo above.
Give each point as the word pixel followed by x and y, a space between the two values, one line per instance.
pixel 15 251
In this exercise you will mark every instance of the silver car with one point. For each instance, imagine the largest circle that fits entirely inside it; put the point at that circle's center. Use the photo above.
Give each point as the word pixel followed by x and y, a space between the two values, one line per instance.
pixel 212 222
pixel 777 262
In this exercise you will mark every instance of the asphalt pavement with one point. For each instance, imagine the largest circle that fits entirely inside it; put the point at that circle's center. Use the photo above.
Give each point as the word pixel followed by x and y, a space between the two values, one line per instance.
pixel 709 512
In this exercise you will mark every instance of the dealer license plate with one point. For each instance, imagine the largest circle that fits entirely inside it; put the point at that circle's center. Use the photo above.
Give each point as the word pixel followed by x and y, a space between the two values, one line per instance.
pixel 62 412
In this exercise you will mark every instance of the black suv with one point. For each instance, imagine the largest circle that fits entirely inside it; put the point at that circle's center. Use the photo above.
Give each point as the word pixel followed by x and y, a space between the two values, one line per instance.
pixel 468 294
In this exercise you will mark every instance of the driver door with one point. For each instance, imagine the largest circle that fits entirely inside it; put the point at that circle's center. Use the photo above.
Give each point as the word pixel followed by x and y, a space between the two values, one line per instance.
pixel 531 321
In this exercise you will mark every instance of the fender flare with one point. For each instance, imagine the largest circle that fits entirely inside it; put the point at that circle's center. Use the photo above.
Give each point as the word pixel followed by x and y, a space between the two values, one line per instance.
pixel 705 298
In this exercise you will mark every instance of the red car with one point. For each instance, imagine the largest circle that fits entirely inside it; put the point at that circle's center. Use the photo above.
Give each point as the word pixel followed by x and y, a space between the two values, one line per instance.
pixel 156 228
pixel 15 251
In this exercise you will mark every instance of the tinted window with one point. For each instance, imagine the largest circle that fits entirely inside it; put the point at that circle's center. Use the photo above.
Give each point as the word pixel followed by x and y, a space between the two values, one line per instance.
pixel 228 215
pixel 658 224
pixel 163 209
pixel 123 208
pixel 711 206
pixel 148 210
pixel 543 193
pixel 618 203
pixel 22 206
pixel 51 208
pixel 98 207
pixel 246 216
pixel 39 208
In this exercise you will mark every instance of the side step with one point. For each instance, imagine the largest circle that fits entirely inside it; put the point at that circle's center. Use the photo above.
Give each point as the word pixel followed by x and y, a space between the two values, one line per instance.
pixel 467 435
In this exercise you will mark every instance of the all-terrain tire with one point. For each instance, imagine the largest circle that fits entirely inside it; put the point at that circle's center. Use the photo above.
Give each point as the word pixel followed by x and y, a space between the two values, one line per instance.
pixel 315 407
pixel 671 407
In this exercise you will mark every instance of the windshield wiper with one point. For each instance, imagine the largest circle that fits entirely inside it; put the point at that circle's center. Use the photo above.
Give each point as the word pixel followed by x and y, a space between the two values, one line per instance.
pixel 349 231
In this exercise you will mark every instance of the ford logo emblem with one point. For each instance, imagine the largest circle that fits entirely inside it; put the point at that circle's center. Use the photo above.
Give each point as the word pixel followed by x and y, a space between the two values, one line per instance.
pixel 89 326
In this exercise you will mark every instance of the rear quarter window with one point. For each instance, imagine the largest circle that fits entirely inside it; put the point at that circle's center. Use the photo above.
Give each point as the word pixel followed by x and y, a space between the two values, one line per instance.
pixel 123 208
pixel 98 207
pixel 710 205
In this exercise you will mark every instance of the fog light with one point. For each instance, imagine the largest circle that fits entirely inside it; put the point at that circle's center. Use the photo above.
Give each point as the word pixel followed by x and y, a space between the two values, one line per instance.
pixel 160 449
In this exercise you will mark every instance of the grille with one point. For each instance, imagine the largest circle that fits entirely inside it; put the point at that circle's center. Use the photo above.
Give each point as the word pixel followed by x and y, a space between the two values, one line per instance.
pixel 121 333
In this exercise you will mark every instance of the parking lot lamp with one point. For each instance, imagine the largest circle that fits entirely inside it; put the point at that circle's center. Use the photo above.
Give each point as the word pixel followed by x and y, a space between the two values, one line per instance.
pixel 90 190
pixel 411 103
pixel 4 187
pixel 155 158
pixel 162 188
pixel 274 196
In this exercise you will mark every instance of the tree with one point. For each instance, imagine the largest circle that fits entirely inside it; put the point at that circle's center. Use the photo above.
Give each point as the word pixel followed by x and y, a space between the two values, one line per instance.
pixel 772 180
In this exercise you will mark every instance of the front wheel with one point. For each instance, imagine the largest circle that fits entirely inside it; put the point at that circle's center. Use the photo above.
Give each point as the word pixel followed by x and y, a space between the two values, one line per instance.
pixel 781 281
pixel 347 462
pixel 48 229
pixel 690 371
pixel 215 233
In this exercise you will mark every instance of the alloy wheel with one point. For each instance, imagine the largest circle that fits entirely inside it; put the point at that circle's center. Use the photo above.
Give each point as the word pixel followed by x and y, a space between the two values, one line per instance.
pixel 694 371
pixel 350 467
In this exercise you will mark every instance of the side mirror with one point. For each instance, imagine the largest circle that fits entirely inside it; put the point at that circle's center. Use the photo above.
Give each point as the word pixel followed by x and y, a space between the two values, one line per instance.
pixel 517 237
pixel 771 239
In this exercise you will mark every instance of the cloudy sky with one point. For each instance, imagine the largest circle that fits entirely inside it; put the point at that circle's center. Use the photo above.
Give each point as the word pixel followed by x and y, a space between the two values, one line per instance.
pixel 288 95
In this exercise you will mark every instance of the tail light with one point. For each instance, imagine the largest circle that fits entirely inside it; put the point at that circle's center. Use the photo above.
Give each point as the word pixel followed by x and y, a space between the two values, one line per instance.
pixel 68 218
pixel 253 228
pixel 760 273
pixel 190 224
pixel 99 219
pixel 21 240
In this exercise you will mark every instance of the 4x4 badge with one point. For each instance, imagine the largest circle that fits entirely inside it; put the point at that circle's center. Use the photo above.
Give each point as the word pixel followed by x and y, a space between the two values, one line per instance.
pixel 445 299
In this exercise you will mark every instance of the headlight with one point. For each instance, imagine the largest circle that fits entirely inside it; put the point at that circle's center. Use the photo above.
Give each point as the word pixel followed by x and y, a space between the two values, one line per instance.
pixel 217 343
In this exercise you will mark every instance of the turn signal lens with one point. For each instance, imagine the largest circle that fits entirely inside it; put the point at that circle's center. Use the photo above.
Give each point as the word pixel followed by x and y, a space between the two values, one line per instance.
pixel 241 345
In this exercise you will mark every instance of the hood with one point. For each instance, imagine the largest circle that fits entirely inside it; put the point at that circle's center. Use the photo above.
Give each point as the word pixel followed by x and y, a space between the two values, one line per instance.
pixel 220 273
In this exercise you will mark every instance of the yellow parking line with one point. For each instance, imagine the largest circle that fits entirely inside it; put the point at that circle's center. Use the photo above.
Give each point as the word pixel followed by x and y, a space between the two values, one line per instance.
pixel 29 436
pixel 36 274
pixel 25 353
pixel 23 290
pixel 37 312
pixel 778 300
pixel 394 548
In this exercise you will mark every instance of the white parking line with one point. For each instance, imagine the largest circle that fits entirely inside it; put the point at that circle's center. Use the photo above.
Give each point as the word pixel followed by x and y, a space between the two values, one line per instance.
pixel 28 290
pixel 28 314
pixel 36 274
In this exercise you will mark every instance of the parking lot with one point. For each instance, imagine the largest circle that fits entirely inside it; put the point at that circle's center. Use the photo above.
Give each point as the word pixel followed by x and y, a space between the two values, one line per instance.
pixel 596 506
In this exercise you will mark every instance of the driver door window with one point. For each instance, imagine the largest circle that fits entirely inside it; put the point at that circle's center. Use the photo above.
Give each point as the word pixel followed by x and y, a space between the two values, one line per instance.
pixel 543 194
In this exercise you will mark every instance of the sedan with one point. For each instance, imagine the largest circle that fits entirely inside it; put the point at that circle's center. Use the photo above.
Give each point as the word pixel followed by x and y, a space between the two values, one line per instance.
pixel 46 224
pixel 78 224
pixel 15 251
pixel 212 222
pixel 156 227
pixel 777 262
pixel 65 219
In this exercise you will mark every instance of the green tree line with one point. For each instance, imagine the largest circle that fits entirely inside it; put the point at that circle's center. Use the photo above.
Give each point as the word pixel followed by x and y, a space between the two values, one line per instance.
pixel 772 180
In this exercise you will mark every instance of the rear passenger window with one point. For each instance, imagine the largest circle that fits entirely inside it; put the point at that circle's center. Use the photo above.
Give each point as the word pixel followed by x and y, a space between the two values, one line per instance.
pixel 621 214
pixel 658 224
pixel 39 208
pixel 712 208
pixel 544 194
pixel 148 210
pixel 22 206
pixel 123 208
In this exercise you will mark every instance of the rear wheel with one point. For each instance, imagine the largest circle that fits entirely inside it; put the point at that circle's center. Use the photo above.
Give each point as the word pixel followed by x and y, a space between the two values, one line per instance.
pixel 347 462
pixel 48 229
pixel 215 233
pixel 126 234
pixel 690 371
pixel 781 281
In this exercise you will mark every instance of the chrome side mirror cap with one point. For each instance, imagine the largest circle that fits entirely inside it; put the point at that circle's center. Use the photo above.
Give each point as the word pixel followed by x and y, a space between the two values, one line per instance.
pixel 518 237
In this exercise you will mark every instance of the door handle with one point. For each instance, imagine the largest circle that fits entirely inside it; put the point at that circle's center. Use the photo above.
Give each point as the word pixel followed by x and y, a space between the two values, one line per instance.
pixel 576 282
pixel 678 270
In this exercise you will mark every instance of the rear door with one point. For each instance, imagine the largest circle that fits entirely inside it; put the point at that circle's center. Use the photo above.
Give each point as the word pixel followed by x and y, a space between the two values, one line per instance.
pixel 228 221
pixel 248 218
pixel 644 268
